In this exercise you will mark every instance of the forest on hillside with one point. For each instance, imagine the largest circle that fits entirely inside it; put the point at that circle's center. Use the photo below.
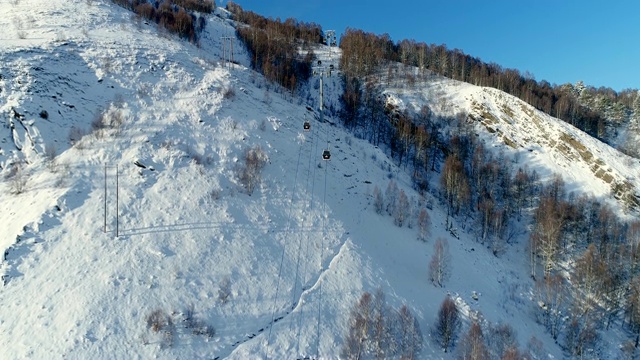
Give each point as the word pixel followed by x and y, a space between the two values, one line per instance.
pixel 492 195
pixel 598 112
pixel 273 46
pixel 182 17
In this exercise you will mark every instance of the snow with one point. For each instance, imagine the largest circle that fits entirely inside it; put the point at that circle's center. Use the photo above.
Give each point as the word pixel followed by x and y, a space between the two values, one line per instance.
pixel 300 249
pixel 528 137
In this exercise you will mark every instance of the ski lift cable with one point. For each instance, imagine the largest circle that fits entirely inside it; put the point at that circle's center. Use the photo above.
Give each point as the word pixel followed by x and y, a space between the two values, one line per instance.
pixel 301 274
pixel 324 217
pixel 300 237
pixel 312 174
pixel 284 248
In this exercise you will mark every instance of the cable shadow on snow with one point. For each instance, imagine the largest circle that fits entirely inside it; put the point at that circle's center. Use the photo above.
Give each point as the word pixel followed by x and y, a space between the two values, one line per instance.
pixel 215 225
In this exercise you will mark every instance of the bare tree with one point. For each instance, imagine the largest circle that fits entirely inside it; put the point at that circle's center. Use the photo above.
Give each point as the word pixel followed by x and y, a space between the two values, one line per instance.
pixel 547 230
pixel 486 208
pixel 375 331
pixel 378 201
pixel 589 276
pixel 410 334
pixel 401 209
pixel 551 297
pixel 423 224
pixel 360 321
pixel 513 353
pixel 499 225
pixel 472 345
pixel 632 308
pixel 440 265
pixel 500 339
pixel 447 324
pixel 391 195
pixel 633 246
pixel 156 320
pixel 381 338
pixel 581 336
pixel 535 348
pixel 628 350
pixel 455 185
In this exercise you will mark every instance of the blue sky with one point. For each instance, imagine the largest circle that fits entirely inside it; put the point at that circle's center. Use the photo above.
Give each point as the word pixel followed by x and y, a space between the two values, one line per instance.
pixel 560 41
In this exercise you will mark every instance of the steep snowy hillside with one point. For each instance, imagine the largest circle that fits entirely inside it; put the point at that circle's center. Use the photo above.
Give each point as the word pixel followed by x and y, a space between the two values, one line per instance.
pixel 531 137
pixel 189 237
pixel 227 235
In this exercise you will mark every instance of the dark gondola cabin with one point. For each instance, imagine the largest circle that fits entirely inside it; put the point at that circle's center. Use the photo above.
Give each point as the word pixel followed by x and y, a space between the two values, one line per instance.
pixel 307 126
pixel 326 155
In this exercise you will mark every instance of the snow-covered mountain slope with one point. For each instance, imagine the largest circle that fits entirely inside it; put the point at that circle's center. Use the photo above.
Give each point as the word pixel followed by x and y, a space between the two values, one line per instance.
pixel 530 137
pixel 275 272
pixel 185 228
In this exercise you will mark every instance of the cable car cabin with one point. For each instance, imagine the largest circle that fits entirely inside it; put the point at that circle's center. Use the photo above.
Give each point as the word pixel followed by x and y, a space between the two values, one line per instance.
pixel 326 155
pixel 306 126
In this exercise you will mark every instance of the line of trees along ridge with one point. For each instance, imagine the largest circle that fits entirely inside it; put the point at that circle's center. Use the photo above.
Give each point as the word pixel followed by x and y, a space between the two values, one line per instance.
pixel 273 46
pixel 182 17
pixel 586 108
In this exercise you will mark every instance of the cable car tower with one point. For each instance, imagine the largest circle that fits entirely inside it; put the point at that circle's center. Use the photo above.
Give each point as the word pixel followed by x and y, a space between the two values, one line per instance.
pixel 322 71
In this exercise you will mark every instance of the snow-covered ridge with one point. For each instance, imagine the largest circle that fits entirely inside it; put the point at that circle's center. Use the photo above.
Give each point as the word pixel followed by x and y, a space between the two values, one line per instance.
pixel 534 138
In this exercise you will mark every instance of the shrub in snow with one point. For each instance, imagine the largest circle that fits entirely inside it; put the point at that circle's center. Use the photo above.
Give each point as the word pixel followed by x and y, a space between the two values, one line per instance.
pixel 215 194
pixel 112 118
pixel 75 135
pixel 50 153
pixel 224 293
pixel 160 323
pixel 249 174
pixel 17 179
pixel 229 93
pixel 168 334
pixel 157 320
pixel 20 28
pixel 195 325
pixel 203 329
